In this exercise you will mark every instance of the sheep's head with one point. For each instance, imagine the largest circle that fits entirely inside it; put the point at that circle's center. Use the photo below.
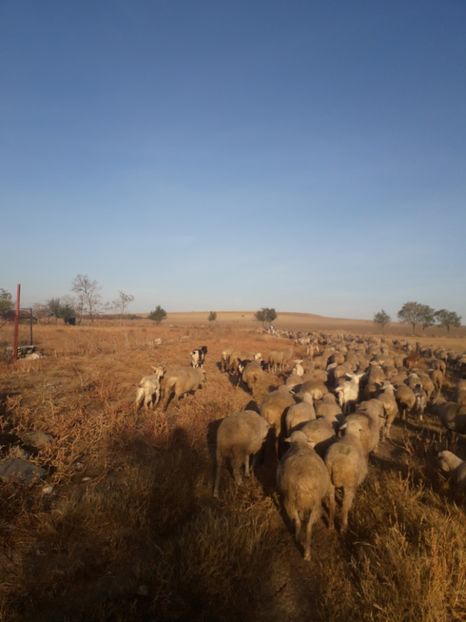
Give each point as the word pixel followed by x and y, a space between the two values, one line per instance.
pixel 300 438
pixel 159 371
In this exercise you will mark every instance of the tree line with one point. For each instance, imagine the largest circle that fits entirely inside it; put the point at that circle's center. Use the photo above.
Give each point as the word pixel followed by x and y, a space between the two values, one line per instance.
pixel 417 314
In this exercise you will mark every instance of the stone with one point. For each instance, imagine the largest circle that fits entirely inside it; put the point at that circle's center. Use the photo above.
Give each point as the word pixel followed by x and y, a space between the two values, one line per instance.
pixel 40 440
pixel 19 470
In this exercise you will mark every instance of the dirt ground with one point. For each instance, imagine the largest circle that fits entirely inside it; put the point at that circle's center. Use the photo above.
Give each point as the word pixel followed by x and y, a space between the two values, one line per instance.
pixel 131 530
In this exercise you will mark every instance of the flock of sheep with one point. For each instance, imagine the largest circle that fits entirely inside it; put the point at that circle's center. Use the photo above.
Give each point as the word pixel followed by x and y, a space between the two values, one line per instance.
pixel 332 410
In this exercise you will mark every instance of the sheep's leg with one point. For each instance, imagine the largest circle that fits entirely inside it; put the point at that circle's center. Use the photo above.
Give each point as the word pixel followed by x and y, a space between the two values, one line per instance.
pixel 331 507
pixel 295 518
pixel 217 474
pixel 139 397
pixel 348 497
pixel 236 467
pixel 313 517
pixel 246 466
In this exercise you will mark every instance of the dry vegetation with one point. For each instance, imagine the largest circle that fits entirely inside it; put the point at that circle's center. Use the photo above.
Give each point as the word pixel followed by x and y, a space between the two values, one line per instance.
pixel 132 532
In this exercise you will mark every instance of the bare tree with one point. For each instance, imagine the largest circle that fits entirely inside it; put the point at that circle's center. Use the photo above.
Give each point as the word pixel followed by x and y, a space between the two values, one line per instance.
pixel 87 293
pixel 122 302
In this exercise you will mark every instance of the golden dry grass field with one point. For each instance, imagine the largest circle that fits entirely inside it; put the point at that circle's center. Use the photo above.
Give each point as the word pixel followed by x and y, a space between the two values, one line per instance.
pixel 131 530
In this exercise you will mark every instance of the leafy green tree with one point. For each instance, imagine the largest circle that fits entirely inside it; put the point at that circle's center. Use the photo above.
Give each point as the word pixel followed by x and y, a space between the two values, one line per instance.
pixel 428 316
pixel 158 314
pixel 6 303
pixel 447 319
pixel 382 318
pixel 212 316
pixel 266 315
pixel 415 313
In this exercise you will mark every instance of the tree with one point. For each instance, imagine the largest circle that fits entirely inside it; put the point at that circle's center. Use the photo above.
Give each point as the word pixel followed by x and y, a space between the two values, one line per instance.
pixel 415 313
pixel 122 302
pixel 212 316
pixel 447 319
pixel 87 292
pixel 266 315
pixel 6 303
pixel 382 318
pixel 54 307
pixel 427 315
pixel 158 314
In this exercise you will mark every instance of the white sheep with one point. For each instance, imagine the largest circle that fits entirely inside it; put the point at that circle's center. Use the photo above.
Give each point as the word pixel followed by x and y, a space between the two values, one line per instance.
pixel 298 369
pixel 148 391
pixel 239 436
pixel 348 392
pixel 303 481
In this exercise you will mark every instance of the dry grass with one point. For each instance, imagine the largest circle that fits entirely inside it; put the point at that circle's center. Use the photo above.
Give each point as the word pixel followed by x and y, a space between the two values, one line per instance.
pixel 143 539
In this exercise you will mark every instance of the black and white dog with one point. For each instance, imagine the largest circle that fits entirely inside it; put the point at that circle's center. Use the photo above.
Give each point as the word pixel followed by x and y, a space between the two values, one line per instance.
pixel 198 356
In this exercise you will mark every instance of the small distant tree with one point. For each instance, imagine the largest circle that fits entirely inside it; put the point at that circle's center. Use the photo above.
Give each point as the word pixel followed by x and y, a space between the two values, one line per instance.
pixel 158 314
pixel 121 303
pixel 6 303
pixel 87 292
pixel 54 307
pixel 266 315
pixel 382 318
pixel 447 319
pixel 212 316
pixel 61 308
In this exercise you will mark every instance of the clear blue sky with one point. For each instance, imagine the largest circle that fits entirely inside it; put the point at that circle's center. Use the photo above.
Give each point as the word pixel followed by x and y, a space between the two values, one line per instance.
pixel 309 156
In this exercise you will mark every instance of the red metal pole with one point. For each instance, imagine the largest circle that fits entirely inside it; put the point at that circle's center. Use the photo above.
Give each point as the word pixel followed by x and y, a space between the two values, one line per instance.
pixel 16 330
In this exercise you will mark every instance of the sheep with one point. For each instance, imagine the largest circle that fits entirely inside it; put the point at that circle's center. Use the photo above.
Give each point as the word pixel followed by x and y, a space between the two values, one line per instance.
pixel 437 377
pixel 273 407
pixel 347 463
pixel 178 381
pixel 198 356
pixel 225 359
pixel 405 399
pixel 387 397
pixel 373 411
pixel 277 359
pixel 321 432
pixel 348 392
pixel 252 373
pixel 375 376
pixel 148 391
pixel 304 482
pixel 452 417
pixel 421 402
pixel 297 413
pixel 461 392
pixel 298 369
pixel 316 388
pixel 239 436
pixel 328 408
pixel 451 463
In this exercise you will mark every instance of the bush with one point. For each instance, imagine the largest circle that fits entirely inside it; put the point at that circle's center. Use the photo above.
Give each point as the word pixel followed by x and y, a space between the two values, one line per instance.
pixel 266 315
pixel 158 314
pixel 212 316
